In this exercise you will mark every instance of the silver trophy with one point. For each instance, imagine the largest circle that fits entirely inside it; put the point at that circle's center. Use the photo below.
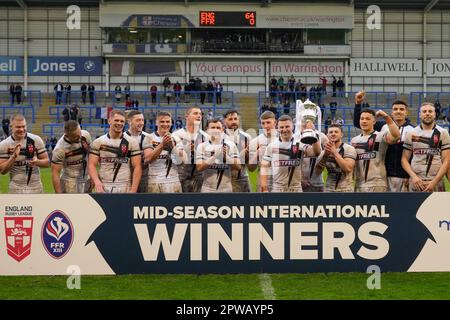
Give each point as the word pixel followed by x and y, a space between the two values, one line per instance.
pixel 304 112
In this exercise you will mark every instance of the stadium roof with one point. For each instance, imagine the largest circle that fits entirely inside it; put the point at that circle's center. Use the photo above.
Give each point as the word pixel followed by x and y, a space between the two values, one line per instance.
pixel 395 4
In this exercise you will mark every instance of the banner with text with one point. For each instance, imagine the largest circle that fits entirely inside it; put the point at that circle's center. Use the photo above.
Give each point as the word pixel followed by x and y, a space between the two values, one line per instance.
pixel 227 68
pixel 233 233
pixel 378 67
pixel 307 68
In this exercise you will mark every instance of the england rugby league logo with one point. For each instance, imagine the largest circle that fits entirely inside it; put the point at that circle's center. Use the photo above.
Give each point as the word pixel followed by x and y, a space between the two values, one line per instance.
pixel 57 234
pixel 18 232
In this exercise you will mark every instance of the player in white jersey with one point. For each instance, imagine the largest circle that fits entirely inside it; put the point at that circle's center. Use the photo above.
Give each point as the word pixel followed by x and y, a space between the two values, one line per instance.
pixel 118 156
pixel 189 138
pixel 240 180
pixel 371 146
pixel 312 181
pixel 397 178
pixel 259 144
pixel 216 158
pixel 163 157
pixel 284 156
pixel 339 159
pixel 22 154
pixel 136 133
pixel 429 146
pixel 69 160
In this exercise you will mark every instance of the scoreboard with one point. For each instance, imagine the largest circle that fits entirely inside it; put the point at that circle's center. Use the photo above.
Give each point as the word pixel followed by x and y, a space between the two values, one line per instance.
pixel 227 19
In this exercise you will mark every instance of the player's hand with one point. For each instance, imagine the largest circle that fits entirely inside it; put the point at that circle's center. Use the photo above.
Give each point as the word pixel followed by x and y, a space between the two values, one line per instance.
pixel 305 184
pixel 167 140
pixel 16 151
pixel 359 97
pixel 418 183
pixel 330 148
pixel 264 189
pixel 429 187
pixel 33 162
pixel 381 113
pixel 99 187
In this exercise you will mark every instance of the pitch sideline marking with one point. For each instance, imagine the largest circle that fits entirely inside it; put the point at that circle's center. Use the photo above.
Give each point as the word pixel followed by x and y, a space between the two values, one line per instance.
pixel 266 286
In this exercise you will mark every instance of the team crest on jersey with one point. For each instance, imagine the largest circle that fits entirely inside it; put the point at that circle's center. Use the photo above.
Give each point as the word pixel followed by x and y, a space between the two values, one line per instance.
pixel 294 149
pixel 370 143
pixel 18 231
pixel 57 234
pixel 124 149
pixel 435 139
pixel 30 148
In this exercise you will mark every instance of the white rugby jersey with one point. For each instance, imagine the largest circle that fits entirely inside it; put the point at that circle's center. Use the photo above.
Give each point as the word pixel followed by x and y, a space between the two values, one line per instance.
pixel 139 139
pixel 242 141
pixel 370 170
pixel 285 160
pixel 73 156
pixel 338 181
pixel 114 157
pixel 165 168
pixel 21 174
pixel 309 163
pixel 217 177
pixel 426 147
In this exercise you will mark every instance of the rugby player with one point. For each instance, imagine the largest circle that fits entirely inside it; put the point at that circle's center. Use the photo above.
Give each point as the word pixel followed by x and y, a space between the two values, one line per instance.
pixel 284 156
pixel 22 154
pixel 339 159
pixel 371 146
pixel 69 160
pixel 189 138
pixel 162 157
pixel 136 133
pixel 216 158
pixel 259 144
pixel 397 177
pixel 239 177
pixel 118 156
pixel 429 146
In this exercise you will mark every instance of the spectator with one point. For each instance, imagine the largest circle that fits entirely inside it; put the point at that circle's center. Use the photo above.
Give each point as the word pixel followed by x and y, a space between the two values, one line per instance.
pixel 127 91
pixel 187 92
pixel 219 90
pixel 334 85
pixel 153 91
pixel 210 115
pixel 312 94
pixel 118 93
pixel 68 93
pixel 166 84
pixel 273 108
pixel 210 90
pixel 12 93
pixel 177 89
pixel 18 92
pixel 167 93
pixel 340 86
pixel 151 120
pixel 280 84
pixel 324 85
pixel 128 104
pixel 135 104
pixel 333 109
pixel 339 121
pixel 273 92
pixel 202 93
pixel 5 125
pixel 319 91
pixel 83 89
pixel 438 109
pixel 265 106
pixel 91 90
pixel 179 123
pixel 58 92
pixel 74 112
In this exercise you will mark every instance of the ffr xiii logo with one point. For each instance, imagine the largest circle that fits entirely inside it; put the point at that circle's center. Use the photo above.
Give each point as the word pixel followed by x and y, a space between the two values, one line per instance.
pixel 57 234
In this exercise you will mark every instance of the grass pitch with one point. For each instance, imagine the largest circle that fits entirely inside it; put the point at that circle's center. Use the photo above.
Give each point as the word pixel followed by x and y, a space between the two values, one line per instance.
pixel 223 287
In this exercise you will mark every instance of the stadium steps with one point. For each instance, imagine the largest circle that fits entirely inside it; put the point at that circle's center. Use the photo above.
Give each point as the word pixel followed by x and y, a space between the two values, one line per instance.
pixel 248 107
pixel 42 115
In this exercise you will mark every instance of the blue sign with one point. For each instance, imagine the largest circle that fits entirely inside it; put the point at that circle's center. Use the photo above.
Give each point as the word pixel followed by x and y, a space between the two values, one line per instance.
pixel 63 66
pixel 10 65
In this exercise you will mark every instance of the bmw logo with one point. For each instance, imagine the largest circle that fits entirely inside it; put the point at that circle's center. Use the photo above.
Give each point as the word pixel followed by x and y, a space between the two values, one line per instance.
pixel 89 66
